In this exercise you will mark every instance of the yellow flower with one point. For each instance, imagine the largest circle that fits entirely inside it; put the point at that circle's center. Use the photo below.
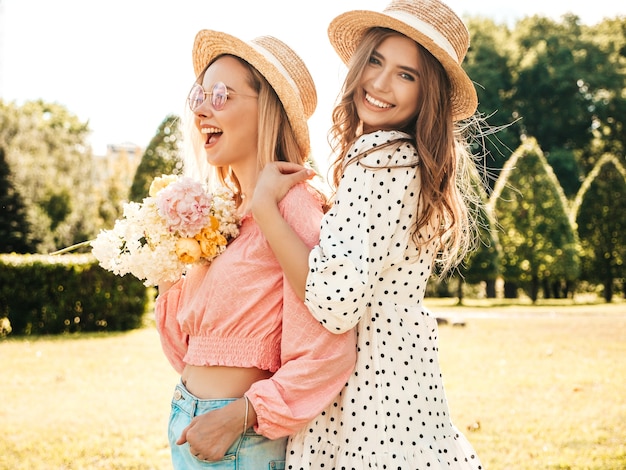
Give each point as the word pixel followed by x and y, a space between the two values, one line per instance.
pixel 160 182
pixel 188 250
pixel 211 240
pixel 215 224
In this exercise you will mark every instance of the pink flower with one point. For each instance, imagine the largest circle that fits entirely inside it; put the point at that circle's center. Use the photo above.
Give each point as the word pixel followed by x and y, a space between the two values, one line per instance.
pixel 185 206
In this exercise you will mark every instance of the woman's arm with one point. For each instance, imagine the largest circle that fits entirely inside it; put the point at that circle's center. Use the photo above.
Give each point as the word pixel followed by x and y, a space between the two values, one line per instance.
pixel 364 233
pixel 173 340
pixel 292 253
pixel 315 363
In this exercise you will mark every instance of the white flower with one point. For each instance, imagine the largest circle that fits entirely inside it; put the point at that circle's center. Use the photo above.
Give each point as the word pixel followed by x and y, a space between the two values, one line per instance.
pixel 144 243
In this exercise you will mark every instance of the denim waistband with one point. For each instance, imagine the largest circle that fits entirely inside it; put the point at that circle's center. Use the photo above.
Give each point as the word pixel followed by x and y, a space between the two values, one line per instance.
pixel 193 405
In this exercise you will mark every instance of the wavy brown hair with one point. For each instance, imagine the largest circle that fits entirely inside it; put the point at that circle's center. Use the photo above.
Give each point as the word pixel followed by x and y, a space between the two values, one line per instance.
pixel 445 163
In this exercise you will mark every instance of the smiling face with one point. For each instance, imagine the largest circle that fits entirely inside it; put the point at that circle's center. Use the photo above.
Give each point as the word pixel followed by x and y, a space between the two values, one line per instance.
pixel 388 92
pixel 231 134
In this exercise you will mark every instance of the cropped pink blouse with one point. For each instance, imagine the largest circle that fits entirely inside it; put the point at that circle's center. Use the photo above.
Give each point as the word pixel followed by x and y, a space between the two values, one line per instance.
pixel 241 312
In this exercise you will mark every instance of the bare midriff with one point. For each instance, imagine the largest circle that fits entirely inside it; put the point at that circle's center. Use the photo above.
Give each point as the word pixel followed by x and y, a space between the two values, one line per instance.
pixel 217 382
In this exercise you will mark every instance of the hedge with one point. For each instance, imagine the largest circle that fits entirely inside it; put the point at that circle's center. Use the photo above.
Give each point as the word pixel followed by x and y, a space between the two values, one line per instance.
pixel 42 294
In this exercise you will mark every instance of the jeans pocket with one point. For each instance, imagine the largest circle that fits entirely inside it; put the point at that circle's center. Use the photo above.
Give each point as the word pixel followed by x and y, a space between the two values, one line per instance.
pixel 229 456
pixel 226 462
pixel 179 419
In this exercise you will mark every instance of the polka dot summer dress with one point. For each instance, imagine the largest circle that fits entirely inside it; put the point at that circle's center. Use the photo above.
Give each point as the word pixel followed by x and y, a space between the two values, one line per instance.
pixel 367 272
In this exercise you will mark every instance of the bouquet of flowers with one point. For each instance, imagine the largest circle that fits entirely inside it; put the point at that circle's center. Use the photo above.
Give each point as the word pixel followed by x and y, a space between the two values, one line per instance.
pixel 177 225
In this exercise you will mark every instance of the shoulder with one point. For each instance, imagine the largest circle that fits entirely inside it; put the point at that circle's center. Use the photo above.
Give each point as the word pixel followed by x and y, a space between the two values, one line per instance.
pixel 384 148
pixel 301 193
pixel 302 200
pixel 302 208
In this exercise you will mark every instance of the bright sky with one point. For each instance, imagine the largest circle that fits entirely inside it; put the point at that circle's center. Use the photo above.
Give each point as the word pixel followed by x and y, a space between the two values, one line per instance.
pixel 126 64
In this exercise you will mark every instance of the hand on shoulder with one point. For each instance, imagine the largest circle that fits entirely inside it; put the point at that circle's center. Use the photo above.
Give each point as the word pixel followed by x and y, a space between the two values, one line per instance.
pixel 275 181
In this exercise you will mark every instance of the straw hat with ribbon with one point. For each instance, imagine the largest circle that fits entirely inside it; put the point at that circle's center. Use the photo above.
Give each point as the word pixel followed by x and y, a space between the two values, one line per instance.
pixel 430 23
pixel 278 63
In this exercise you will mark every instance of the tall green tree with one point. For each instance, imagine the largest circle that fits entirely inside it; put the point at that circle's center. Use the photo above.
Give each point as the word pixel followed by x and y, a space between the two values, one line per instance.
pixel 552 62
pixel 558 81
pixel 14 229
pixel 600 213
pixel 537 239
pixel 46 151
pixel 162 156
pixel 605 87
pixel 569 91
pixel 565 165
pixel 483 263
pixel 488 64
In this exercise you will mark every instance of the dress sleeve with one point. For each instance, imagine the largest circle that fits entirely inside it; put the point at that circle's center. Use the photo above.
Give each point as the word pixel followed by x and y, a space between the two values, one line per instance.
pixel 374 208
pixel 173 341
pixel 315 364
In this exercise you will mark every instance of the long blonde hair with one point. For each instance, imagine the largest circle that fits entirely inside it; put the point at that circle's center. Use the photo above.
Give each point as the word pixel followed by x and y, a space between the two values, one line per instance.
pixel 446 166
pixel 276 138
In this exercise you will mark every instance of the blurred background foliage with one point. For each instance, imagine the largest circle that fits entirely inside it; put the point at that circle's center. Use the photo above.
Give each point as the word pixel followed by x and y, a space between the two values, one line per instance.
pixel 554 97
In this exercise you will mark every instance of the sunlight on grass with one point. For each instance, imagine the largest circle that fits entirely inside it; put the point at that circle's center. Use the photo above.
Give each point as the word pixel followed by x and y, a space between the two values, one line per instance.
pixel 83 402
pixel 543 391
pixel 533 387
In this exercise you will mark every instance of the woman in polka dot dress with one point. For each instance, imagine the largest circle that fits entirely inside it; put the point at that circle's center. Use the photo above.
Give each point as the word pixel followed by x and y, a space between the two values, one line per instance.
pixel 400 206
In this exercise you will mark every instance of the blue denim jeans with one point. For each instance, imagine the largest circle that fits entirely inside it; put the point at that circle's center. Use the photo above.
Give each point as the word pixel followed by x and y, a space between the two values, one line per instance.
pixel 250 451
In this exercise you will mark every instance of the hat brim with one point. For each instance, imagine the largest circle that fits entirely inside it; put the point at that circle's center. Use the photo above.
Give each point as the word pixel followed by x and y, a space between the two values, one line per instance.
pixel 346 31
pixel 210 44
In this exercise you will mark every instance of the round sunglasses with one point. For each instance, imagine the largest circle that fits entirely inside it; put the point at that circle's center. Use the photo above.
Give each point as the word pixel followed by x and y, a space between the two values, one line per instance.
pixel 219 95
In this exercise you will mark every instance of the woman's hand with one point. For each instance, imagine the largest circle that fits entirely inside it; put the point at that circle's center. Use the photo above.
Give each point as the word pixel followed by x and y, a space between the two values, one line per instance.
pixel 292 253
pixel 274 181
pixel 210 435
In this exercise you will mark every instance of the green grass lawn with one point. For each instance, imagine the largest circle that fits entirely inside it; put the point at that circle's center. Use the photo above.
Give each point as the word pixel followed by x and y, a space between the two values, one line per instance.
pixel 532 387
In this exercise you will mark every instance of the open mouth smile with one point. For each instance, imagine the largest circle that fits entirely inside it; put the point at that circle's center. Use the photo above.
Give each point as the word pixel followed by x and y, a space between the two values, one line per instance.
pixel 212 133
pixel 374 102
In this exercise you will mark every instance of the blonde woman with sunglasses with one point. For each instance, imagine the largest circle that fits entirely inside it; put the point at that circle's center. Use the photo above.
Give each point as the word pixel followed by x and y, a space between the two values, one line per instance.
pixel 255 365
pixel 401 206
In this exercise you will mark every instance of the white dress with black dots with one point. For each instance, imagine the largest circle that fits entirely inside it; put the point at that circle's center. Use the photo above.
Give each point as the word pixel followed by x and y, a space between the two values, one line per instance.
pixel 367 272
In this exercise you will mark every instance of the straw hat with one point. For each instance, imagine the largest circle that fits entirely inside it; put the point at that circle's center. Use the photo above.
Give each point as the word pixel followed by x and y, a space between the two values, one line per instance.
pixel 278 63
pixel 432 24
